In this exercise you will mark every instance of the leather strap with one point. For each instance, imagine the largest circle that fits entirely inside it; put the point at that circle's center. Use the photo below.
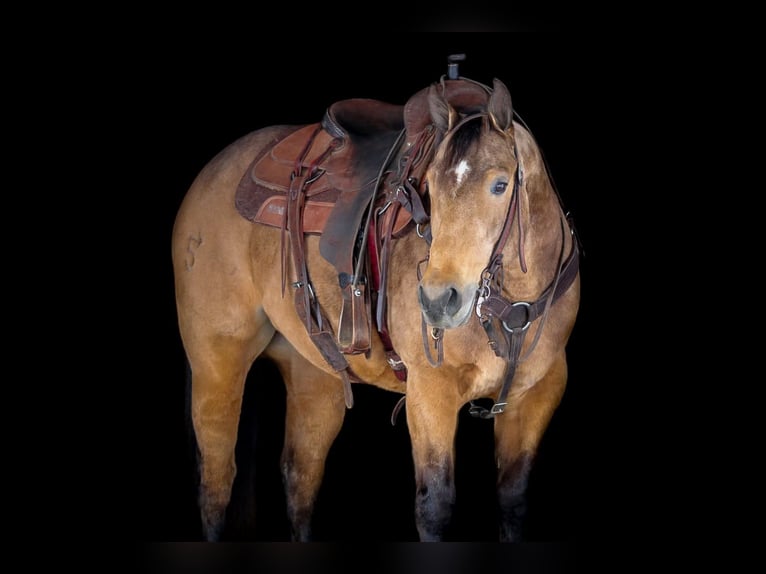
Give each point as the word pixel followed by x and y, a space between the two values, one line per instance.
pixel 380 255
pixel 516 314
pixel 515 317
pixel 306 304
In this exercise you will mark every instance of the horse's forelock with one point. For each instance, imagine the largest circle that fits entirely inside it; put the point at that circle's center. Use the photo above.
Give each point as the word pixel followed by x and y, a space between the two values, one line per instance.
pixel 465 137
pixel 462 139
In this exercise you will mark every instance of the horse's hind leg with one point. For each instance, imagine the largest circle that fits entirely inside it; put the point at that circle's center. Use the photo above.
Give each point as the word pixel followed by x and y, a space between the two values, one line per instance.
pixel 518 432
pixel 219 364
pixel 315 409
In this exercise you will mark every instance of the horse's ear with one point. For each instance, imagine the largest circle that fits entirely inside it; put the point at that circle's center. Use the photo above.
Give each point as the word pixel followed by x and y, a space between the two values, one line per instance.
pixel 443 115
pixel 500 108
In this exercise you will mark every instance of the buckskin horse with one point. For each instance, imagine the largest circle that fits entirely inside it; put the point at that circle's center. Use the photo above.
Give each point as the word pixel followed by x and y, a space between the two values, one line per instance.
pixel 421 248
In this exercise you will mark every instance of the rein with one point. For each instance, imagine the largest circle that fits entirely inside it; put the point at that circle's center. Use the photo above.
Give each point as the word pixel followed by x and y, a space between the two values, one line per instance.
pixel 401 193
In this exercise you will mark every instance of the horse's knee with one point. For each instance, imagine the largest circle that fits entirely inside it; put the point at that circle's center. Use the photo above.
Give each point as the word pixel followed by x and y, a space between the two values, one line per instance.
pixel 434 501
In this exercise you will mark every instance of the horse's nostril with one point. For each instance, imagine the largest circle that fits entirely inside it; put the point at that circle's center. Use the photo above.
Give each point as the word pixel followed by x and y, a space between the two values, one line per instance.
pixel 447 302
pixel 423 298
pixel 452 302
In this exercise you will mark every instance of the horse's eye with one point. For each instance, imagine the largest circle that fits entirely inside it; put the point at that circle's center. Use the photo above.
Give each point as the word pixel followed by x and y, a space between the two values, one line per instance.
pixel 499 187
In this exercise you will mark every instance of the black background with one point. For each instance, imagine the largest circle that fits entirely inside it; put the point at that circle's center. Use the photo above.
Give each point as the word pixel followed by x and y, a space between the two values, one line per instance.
pixel 189 102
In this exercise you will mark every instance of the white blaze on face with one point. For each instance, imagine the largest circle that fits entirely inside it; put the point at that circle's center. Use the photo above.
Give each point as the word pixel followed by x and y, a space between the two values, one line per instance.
pixel 460 171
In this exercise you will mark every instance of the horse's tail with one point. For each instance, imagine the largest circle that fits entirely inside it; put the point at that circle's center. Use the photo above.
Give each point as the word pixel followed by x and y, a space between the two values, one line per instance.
pixel 192 455
pixel 191 439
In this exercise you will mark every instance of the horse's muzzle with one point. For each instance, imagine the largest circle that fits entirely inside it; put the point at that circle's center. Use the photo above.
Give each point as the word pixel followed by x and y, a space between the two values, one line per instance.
pixel 445 307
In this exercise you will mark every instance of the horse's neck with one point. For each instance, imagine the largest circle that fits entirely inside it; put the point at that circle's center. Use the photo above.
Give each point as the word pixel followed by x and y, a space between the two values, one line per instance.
pixel 542 230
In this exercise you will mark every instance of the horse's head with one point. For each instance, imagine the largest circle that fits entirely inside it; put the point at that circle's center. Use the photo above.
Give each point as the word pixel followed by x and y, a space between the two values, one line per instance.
pixel 470 187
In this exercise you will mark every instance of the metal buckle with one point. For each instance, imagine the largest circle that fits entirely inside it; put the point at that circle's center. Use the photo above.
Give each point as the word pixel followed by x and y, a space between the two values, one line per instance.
pixel 498 408
pixel 393 363
pixel 484 292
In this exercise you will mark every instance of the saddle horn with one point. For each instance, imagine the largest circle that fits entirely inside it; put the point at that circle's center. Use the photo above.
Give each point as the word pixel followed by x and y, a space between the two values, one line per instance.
pixel 452 60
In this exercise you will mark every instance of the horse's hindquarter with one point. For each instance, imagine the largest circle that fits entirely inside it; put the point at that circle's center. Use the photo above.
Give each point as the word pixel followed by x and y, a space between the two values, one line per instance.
pixel 212 256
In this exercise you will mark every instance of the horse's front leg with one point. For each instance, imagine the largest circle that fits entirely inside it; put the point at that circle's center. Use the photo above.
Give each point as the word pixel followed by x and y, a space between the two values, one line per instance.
pixel 432 422
pixel 518 432
pixel 315 411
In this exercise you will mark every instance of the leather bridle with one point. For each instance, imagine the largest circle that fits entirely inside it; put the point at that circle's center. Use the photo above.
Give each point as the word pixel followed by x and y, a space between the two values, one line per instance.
pixel 506 322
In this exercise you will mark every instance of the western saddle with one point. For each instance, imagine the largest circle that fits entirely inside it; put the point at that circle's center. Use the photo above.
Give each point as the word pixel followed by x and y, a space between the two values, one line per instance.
pixel 356 180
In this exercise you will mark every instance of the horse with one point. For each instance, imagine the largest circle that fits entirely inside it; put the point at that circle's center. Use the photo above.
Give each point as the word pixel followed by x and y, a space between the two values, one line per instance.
pixel 420 248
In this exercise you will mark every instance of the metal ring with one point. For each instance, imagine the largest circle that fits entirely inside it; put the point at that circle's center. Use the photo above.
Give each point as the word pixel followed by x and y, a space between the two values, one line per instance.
pixel 528 323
